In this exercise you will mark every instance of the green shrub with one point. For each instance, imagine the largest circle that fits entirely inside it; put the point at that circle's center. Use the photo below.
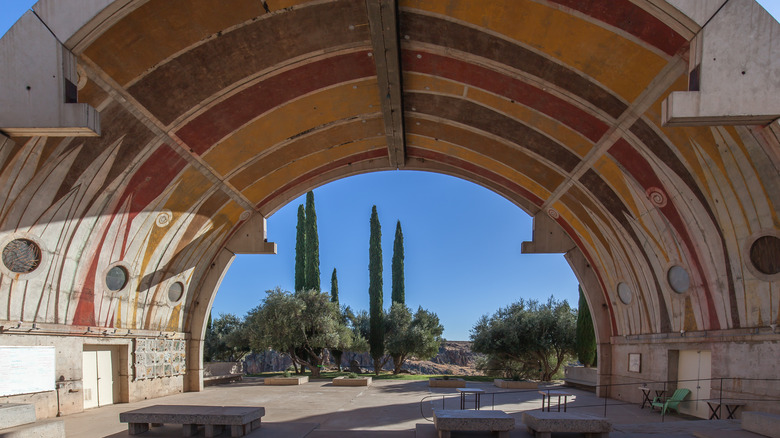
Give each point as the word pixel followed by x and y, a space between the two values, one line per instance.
pixel 352 376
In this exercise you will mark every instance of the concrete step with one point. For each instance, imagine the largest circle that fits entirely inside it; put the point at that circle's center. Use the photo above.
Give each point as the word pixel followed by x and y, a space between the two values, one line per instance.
pixel 39 429
pixel 16 414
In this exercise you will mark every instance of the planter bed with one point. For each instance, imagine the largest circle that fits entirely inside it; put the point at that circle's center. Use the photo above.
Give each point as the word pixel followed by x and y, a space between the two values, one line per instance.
pixel 515 384
pixel 436 382
pixel 286 380
pixel 352 381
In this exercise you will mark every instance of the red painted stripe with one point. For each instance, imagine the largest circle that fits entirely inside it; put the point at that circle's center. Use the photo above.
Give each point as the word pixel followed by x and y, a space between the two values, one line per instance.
pixel 511 88
pixel 333 165
pixel 632 19
pixel 205 130
pixel 642 171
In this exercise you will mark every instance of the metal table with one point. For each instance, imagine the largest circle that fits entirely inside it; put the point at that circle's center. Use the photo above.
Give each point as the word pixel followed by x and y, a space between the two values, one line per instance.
pixel 477 396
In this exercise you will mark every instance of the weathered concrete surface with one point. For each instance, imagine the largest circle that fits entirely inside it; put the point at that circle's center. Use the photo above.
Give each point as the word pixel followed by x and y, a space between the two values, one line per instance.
pixel 762 423
pixel 446 421
pixel 15 414
pixel 39 429
pixel 567 422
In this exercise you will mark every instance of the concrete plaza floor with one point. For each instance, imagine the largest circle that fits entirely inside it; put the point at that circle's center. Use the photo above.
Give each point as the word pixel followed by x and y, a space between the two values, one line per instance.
pixel 388 408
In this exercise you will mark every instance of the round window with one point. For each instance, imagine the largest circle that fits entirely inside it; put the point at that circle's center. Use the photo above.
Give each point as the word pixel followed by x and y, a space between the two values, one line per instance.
pixel 116 278
pixel 175 291
pixel 678 279
pixel 624 293
pixel 21 256
pixel 764 255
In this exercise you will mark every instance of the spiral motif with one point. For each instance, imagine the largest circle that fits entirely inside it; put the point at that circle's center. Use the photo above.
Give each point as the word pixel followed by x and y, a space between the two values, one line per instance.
pixel 656 196
pixel 164 218
pixel 244 215
pixel 553 213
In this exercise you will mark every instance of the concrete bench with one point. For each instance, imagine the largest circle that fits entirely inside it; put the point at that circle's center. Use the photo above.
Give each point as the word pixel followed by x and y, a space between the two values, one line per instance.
pixel 447 421
pixel 543 424
pixel 241 419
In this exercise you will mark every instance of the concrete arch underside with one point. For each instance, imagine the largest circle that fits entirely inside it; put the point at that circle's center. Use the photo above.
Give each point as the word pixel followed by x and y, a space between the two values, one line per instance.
pixel 155 137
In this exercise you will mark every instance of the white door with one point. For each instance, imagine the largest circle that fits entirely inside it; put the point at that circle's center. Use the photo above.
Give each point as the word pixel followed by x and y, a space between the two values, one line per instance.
pixel 694 373
pixel 105 378
pixel 90 379
pixel 98 379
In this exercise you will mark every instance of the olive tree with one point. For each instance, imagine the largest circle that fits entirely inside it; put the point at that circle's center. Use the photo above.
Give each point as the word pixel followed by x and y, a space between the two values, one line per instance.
pixel 224 341
pixel 301 324
pixel 527 336
pixel 408 335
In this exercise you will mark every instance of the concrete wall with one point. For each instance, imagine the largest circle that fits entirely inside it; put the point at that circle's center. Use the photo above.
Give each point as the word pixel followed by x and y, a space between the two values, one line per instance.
pixel 69 374
pixel 747 363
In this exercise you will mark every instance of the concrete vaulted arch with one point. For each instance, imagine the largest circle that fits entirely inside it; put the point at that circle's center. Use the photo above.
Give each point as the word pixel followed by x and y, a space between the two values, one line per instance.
pixel 158 135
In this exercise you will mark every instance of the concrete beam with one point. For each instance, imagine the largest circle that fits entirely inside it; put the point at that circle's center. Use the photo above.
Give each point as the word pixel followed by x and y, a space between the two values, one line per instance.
pixel 734 70
pixel 251 238
pixel 39 91
pixel 548 237
pixel 383 23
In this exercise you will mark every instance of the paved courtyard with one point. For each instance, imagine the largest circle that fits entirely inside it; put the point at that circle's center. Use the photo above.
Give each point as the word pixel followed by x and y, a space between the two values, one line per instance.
pixel 388 408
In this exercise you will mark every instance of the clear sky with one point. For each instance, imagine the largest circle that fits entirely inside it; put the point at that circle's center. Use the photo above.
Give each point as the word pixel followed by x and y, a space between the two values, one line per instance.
pixel 462 242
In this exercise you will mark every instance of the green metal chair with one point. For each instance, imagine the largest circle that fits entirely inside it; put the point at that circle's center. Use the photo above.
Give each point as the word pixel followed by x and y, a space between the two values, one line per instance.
pixel 670 403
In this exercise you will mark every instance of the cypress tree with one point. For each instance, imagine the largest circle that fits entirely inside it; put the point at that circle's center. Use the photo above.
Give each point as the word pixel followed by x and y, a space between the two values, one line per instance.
pixel 585 341
pixel 376 336
pixel 334 297
pixel 334 287
pixel 300 250
pixel 399 290
pixel 312 245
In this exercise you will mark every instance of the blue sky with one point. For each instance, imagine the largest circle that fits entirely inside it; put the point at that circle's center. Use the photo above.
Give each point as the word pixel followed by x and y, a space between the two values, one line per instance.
pixel 462 242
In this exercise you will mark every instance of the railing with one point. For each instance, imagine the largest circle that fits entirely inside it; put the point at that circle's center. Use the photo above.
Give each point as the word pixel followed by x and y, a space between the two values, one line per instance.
pixel 514 396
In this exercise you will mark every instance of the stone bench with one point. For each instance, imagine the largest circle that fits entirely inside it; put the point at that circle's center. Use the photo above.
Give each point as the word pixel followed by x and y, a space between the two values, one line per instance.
pixel 447 421
pixel 543 424
pixel 241 419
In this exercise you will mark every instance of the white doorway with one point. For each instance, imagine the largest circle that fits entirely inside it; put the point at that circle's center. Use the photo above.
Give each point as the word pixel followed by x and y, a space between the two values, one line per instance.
pixel 694 373
pixel 101 376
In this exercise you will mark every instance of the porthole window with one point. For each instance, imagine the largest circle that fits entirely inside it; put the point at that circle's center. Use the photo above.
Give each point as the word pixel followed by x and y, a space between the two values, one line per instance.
pixel 764 255
pixel 116 278
pixel 175 291
pixel 624 293
pixel 678 279
pixel 21 256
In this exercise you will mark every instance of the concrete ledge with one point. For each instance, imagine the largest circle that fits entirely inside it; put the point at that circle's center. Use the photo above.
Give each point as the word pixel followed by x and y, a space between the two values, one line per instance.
pixel 515 384
pixel 438 382
pixel 16 414
pixel 447 421
pixel 542 424
pixel 726 434
pixel 40 429
pixel 219 380
pixel 762 423
pixel 356 381
pixel 283 381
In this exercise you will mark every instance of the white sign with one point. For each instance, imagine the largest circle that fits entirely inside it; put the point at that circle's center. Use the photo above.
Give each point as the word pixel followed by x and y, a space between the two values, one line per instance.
pixel 24 370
